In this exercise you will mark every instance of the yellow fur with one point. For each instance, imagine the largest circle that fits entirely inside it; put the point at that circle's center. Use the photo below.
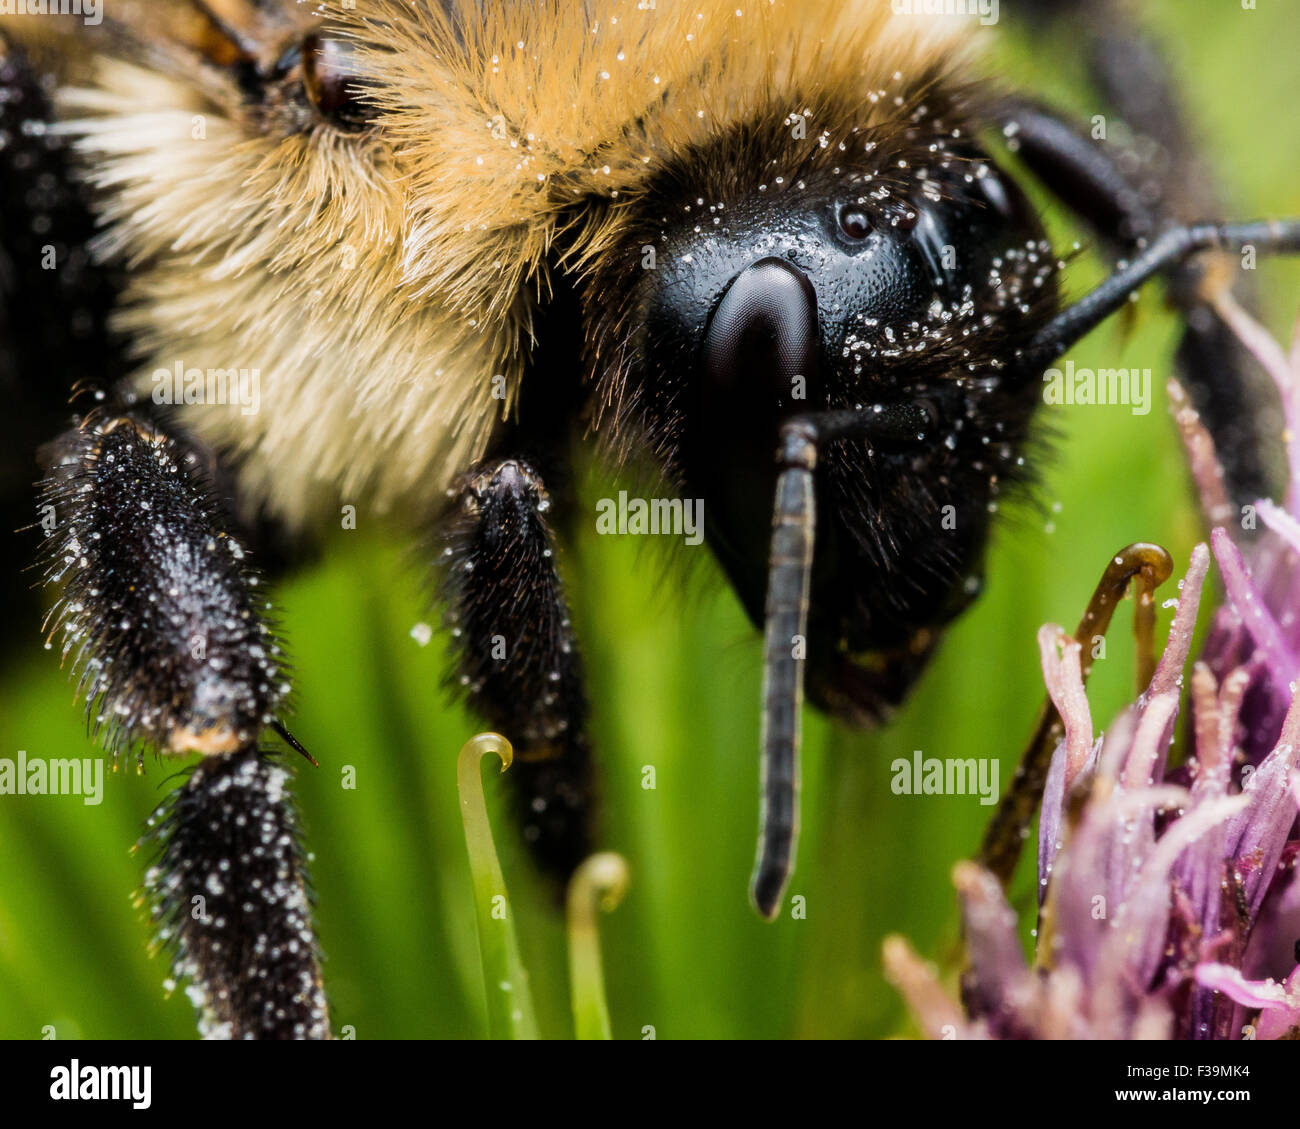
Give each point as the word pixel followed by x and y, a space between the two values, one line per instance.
pixel 379 284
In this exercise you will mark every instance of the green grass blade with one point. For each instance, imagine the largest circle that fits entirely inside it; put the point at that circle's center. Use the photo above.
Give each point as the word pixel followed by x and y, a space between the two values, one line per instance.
pixel 601 880
pixel 505 980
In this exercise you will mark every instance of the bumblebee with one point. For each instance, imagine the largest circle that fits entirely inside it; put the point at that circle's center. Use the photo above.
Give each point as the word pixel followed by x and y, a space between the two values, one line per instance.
pixel 390 255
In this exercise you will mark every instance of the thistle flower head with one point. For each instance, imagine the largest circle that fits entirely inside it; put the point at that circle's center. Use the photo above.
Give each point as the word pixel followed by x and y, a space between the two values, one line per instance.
pixel 1168 905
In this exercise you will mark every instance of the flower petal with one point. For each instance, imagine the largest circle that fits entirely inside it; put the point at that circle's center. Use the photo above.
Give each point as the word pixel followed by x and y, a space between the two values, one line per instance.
pixel 999 987
pixel 1141 922
pixel 1169 672
pixel 1275 362
pixel 1280 522
pixel 1207 471
pixel 1063 676
pixel 1278 1004
pixel 938 1015
pixel 1146 755
pixel 1257 837
pixel 1249 604
pixel 1088 889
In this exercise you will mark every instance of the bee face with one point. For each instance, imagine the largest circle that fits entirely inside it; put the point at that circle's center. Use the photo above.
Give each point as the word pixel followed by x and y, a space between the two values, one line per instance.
pixel 907 271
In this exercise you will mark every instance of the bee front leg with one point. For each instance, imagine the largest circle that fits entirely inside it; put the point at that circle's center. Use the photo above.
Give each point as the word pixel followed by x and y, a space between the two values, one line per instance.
pixel 518 661
pixel 166 628
pixel 1087 176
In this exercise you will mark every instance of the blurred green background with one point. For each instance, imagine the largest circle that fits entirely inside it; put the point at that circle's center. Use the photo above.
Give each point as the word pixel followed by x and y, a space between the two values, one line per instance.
pixel 675 684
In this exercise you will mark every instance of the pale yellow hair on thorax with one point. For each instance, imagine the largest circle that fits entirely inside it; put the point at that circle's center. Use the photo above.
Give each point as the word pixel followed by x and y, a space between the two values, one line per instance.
pixel 385 287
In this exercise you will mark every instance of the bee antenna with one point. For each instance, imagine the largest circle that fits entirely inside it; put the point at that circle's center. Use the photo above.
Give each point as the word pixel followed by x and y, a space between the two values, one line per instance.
pixel 789 577
pixel 293 742
pixel 785 631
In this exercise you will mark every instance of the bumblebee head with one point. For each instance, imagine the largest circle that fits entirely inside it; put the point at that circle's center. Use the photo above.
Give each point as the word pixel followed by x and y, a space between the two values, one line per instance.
pixel 894 268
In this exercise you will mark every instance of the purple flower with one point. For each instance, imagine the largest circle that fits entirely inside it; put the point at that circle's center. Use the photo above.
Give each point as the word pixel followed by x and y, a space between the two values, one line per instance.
pixel 1168 904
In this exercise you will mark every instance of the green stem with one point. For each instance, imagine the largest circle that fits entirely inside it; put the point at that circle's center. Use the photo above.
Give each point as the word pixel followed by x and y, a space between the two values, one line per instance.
pixel 505 980
pixel 602 879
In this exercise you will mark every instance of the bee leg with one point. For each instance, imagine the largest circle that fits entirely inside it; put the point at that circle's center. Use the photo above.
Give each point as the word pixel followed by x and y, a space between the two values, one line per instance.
pixel 159 606
pixel 1130 210
pixel 166 628
pixel 518 661
pixel 1226 386
pixel 1172 246
pixel 1082 173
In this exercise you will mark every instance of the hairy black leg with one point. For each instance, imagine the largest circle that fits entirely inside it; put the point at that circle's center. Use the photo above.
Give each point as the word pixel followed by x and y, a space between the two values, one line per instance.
pixel 159 609
pixel 517 658
pixel 1128 203
pixel 1078 171
pixel 1163 161
pixel 168 634
pixel 230 838
pixel 1173 246
pixel 1226 386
